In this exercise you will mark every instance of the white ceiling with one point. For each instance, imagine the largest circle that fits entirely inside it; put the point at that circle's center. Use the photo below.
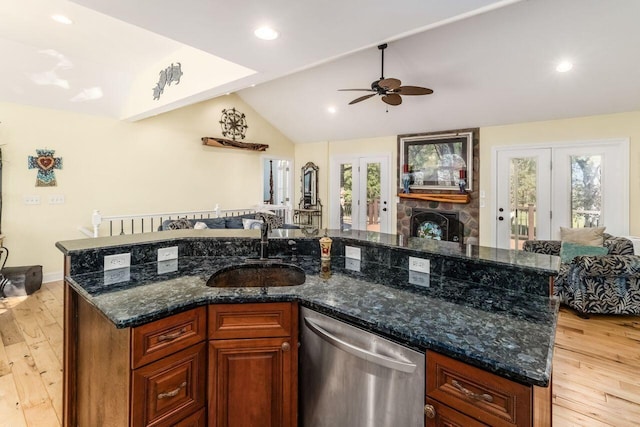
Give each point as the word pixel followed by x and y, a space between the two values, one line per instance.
pixel 489 62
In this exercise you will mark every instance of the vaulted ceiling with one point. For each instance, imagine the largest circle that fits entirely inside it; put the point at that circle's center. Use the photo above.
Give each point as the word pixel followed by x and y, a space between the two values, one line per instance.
pixel 488 62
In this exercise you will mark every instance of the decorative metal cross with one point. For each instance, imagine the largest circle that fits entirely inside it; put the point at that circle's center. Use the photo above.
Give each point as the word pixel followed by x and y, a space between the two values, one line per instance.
pixel 45 163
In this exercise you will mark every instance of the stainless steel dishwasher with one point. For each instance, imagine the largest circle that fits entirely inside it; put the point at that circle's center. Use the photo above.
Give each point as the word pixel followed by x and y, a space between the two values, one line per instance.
pixel 352 378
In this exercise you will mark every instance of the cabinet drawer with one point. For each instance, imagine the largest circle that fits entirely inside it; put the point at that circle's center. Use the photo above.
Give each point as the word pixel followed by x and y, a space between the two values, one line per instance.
pixel 482 395
pixel 195 420
pixel 165 391
pixel 443 416
pixel 260 320
pixel 158 339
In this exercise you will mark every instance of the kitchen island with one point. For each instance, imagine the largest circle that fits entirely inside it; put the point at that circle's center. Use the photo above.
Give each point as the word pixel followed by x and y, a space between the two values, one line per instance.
pixel 484 307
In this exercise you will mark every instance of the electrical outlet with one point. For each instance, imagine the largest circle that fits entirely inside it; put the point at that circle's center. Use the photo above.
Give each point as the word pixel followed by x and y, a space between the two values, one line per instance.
pixel 56 199
pixel 31 200
pixel 419 279
pixel 420 265
pixel 112 262
pixel 117 275
pixel 352 252
pixel 165 254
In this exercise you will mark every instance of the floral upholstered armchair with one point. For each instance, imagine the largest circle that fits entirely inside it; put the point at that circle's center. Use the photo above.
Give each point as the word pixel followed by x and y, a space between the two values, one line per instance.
pixel 607 284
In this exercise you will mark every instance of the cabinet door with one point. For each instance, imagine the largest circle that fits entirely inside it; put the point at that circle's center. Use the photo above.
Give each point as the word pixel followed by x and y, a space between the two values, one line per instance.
pixel 252 383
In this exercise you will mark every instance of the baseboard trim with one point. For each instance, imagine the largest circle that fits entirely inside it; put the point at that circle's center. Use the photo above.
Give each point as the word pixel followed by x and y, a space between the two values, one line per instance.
pixel 56 276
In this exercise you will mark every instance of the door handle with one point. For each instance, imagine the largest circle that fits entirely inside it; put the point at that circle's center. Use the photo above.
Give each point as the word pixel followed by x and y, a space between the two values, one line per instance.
pixel 360 352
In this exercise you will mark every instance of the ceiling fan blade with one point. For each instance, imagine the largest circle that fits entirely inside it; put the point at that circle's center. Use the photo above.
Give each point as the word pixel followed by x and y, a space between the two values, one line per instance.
pixel 392 99
pixel 413 90
pixel 365 90
pixel 362 98
pixel 389 84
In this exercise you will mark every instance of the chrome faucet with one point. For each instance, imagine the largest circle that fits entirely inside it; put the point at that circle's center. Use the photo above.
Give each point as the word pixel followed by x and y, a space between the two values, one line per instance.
pixel 264 240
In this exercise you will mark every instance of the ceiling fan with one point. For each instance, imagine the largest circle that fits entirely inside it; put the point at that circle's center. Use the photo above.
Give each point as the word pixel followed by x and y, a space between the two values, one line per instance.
pixel 389 89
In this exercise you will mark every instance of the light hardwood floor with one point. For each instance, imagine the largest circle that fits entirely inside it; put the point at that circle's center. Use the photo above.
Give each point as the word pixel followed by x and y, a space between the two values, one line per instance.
pixel 596 365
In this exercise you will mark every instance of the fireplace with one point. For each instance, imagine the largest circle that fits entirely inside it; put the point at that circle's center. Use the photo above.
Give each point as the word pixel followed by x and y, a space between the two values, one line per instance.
pixel 437 225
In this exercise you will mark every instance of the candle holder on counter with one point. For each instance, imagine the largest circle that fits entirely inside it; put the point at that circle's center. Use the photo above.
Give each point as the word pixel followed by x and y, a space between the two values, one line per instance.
pixel 325 246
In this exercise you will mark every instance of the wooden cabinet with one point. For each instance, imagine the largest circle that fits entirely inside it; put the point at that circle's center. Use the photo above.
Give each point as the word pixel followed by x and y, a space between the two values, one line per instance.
pixel 253 364
pixel 460 394
pixel 170 388
pixel 151 375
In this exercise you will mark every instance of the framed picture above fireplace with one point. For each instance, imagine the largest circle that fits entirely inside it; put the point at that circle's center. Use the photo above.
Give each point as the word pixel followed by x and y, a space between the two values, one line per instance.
pixel 437 161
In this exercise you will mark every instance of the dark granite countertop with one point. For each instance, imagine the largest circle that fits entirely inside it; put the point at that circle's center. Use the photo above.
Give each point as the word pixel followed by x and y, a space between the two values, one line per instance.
pixel 500 330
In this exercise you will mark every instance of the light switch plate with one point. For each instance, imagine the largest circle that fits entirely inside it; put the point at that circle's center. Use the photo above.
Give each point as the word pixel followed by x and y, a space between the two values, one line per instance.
pixel 352 252
pixel 421 265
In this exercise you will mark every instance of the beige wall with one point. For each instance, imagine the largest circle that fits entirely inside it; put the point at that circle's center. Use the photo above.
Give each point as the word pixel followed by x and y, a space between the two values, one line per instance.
pixel 625 125
pixel 320 153
pixel 157 164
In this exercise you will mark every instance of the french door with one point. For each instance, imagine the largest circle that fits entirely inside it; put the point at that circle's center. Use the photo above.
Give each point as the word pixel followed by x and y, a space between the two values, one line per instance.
pixel 359 193
pixel 540 189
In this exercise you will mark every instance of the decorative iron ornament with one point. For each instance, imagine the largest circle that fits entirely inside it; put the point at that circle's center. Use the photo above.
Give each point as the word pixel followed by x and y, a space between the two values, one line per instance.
pixel 171 74
pixel 45 163
pixel 234 124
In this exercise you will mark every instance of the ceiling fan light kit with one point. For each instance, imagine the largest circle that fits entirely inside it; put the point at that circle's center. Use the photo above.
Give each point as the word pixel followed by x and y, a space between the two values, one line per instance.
pixel 389 89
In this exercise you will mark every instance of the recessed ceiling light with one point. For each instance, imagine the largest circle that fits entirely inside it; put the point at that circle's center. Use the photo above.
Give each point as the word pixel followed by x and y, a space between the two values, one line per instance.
pixel 564 66
pixel 61 19
pixel 266 33
pixel 332 110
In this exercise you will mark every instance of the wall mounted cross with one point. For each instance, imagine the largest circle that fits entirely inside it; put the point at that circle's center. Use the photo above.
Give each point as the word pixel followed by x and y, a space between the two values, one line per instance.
pixel 45 163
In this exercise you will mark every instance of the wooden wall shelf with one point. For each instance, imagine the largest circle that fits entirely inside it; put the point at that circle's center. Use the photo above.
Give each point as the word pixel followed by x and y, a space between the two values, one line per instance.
pixel 461 198
pixel 228 143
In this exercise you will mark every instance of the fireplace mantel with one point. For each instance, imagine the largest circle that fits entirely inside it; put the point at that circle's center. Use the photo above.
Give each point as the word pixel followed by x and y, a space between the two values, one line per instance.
pixel 438 197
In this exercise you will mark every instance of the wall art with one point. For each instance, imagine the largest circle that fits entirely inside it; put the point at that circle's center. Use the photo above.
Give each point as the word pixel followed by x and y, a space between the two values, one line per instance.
pixel 46 164
pixel 169 75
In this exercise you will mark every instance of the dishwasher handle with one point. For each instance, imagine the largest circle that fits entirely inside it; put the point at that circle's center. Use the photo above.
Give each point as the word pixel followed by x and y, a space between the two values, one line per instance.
pixel 362 353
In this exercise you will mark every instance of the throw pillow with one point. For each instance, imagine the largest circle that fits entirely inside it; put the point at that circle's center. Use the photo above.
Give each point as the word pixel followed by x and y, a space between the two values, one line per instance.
pixel 251 224
pixel 590 236
pixel 179 224
pixel 272 220
pixel 568 251
pixel 200 226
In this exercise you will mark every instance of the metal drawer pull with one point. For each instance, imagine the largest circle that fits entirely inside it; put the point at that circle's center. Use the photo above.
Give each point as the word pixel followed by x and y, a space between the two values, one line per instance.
pixel 173 336
pixel 172 393
pixel 471 395
pixel 429 411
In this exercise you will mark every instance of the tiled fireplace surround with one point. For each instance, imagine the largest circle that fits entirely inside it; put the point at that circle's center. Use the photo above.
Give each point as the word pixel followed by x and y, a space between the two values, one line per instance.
pixel 469 213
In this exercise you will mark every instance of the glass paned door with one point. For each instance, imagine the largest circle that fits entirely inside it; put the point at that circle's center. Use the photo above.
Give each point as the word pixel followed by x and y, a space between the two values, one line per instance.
pixel 346 196
pixel 359 194
pixel 372 208
pixel 588 186
pixel 523 211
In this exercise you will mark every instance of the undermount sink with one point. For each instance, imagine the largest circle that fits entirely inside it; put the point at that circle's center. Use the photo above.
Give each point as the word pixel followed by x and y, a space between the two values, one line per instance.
pixel 258 275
